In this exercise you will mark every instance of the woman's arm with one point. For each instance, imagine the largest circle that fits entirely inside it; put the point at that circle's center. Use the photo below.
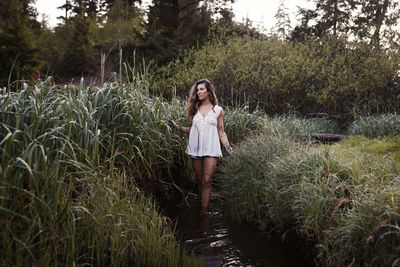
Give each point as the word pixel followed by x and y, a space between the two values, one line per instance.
pixel 186 129
pixel 221 132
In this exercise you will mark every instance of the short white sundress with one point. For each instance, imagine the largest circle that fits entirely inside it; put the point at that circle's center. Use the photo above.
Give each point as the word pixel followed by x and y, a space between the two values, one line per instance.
pixel 203 135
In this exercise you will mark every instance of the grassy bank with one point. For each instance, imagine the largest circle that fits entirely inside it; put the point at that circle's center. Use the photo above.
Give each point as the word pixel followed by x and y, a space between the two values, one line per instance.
pixel 343 199
pixel 76 164
pixel 74 161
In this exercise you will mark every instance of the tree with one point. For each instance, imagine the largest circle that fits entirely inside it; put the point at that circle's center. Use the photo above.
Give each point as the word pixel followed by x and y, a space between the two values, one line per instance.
pixel 300 32
pixel 67 6
pixel 76 57
pixel 376 17
pixel 19 56
pixel 176 24
pixel 128 6
pixel 282 26
pixel 370 21
pixel 330 16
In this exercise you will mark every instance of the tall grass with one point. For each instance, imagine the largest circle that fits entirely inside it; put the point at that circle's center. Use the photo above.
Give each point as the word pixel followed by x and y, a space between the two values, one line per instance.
pixel 75 161
pixel 239 124
pixel 376 125
pixel 71 161
pixel 298 128
pixel 342 199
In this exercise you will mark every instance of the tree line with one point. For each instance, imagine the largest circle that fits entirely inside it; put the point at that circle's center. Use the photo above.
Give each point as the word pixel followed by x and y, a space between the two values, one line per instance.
pixel 91 28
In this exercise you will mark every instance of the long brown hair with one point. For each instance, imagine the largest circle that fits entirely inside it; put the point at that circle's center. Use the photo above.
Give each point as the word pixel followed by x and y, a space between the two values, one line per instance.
pixel 193 101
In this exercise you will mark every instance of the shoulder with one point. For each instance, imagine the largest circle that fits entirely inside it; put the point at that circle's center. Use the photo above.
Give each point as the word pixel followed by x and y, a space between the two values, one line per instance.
pixel 219 110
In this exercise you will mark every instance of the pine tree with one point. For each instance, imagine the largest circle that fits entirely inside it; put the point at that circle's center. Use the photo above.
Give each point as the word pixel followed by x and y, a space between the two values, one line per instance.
pixel 330 16
pixel 128 7
pixel 282 25
pixel 175 24
pixel 67 6
pixel 76 57
pixel 375 18
pixel 19 56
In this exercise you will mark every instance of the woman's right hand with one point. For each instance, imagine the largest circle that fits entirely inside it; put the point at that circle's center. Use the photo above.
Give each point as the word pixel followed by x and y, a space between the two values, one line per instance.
pixel 177 126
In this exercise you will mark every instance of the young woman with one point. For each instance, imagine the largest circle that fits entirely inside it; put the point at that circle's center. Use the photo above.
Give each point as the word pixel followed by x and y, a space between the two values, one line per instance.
pixel 206 132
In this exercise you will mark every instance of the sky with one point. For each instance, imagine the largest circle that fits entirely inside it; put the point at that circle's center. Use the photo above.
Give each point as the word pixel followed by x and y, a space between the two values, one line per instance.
pixel 260 12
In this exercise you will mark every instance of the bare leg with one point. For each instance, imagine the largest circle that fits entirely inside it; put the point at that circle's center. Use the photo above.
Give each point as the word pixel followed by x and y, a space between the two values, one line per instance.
pixel 198 170
pixel 209 165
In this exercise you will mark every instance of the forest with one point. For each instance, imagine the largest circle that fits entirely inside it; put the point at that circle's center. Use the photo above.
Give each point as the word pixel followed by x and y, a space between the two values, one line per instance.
pixel 341 58
pixel 89 145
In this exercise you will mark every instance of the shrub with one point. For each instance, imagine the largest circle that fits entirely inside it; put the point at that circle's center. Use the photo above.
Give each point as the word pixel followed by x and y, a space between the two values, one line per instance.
pixel 317 75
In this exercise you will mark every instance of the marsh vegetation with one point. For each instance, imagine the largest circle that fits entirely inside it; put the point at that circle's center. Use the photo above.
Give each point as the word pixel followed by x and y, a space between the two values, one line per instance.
pixel 82 160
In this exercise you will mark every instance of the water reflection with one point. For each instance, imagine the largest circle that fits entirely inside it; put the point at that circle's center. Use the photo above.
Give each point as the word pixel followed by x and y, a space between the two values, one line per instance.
pixel 222 242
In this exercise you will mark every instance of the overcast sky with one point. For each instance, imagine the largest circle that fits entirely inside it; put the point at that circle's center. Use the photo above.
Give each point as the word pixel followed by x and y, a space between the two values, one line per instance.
pixel 261 12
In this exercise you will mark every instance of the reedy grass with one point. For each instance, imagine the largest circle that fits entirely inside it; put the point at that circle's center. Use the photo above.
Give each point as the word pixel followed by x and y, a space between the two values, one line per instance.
pixel 343 198
pixel 239 124
pixel 298 128
pixel 374 126
pixel 64 199
pixel 57 145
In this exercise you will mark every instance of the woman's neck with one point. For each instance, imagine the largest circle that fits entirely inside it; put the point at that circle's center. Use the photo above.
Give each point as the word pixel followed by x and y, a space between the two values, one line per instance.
pixel 206 102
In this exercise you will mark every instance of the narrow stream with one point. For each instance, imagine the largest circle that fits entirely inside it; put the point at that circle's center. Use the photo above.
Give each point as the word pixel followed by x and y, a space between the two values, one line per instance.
pixel 220 241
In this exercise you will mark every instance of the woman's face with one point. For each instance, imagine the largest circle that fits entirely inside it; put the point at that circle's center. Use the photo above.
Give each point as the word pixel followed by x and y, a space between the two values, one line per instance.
pixel 202 91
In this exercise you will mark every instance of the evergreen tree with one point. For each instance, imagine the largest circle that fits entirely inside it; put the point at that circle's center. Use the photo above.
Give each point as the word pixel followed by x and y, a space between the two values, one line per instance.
pixel 93 8
pixel 18 53
pixel 282 26
pixel 67 6
pixel 330 16
pixel 376 17
pixel 128 6
pixel 123 27
pixel 76 57
pixel 300 32
pixel 176 24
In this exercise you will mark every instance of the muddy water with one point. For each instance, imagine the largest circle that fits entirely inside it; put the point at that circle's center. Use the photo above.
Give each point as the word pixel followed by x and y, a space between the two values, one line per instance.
pixel 220 241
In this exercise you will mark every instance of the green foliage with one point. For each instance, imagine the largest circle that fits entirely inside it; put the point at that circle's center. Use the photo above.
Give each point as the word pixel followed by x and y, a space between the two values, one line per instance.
pixel 173 25
pixel 19 57
pixel 75 59
pixel 376 125
pixel 239 124
pixel 53 44
pixel 342 198
pixel 244 177
pixel 263 161
pixel 71 162
pixel 317 75
pixel 298 128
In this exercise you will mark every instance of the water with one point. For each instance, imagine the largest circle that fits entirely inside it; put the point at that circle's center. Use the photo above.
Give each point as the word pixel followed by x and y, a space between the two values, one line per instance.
pixel 220 241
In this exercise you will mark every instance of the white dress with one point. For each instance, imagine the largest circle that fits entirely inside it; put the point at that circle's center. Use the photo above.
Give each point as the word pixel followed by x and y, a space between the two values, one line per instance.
pixel 203 135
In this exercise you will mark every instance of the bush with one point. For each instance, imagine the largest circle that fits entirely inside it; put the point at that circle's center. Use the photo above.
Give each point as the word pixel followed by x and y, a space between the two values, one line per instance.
pixel 317 75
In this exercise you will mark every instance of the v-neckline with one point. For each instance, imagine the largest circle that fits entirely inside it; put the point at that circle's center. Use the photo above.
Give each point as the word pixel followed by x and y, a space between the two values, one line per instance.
pixel 201 114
